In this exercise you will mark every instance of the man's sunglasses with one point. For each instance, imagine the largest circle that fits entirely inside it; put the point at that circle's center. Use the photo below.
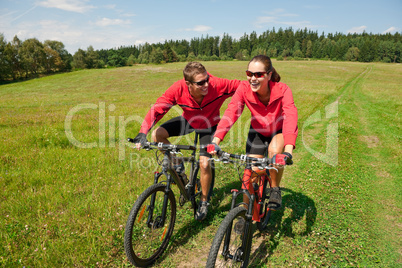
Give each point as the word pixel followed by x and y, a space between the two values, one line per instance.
pixel 256 74
pixel 201 83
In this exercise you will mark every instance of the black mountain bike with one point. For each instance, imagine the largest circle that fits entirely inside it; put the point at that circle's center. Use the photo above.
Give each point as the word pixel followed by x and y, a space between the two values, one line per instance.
pixel 232 243
pixel 152 217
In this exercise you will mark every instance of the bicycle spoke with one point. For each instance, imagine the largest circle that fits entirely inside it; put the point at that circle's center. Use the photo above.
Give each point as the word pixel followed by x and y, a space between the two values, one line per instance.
pixel 147 234
pixel 230 257
pixel 226 249
pixel 142 213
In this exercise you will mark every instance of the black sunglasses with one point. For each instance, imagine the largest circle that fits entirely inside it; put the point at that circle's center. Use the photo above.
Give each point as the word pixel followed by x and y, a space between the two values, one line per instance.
pixel 201 83
pixel 256 74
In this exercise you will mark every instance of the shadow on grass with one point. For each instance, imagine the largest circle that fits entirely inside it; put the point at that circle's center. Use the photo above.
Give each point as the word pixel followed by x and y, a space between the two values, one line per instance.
pixel 302 212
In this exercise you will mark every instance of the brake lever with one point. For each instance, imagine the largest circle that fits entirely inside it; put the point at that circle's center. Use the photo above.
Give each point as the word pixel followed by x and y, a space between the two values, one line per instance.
pixel 147 146
pixel 271 167
pixel 176 152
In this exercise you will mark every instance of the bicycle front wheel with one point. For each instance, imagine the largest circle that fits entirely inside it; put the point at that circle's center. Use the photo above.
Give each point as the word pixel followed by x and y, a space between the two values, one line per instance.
pixel 150 225
pixel 226 249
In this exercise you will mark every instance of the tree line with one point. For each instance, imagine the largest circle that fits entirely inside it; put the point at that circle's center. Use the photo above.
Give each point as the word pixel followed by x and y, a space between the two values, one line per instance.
pixel 22 59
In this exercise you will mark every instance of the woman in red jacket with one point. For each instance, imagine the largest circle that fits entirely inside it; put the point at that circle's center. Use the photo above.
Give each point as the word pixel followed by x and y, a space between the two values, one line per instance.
pixel 273 119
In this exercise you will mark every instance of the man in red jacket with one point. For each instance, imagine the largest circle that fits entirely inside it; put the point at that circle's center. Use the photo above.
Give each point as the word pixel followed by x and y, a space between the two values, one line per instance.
pixel 200 95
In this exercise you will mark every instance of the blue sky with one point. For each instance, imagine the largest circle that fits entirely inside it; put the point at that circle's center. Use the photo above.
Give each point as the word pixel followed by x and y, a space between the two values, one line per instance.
pixel 109 24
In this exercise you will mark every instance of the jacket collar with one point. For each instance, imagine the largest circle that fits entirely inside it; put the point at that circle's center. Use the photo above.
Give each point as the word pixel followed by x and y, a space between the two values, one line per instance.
pixel 276 93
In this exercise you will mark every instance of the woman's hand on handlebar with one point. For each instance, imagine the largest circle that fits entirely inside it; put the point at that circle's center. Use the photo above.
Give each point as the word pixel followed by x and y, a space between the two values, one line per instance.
pixel 214 148
pixel 282 159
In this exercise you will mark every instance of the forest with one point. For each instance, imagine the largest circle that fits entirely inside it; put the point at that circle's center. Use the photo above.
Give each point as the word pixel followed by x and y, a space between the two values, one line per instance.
pixel 31 57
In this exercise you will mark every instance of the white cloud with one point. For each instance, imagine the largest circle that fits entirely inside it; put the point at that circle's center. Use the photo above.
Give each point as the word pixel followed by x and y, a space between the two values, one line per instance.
pixel 391 30
pixel 108 22
pixel 55 30
pixel 358 30
pixel 280 17
pixel 262 22
pixel 139 42
pixel 111 6
pixel 67 5
pixel 13 18
pixel 299 24
pixel 128 15
pixel 280 12
pixel 43 30
pixel 199 28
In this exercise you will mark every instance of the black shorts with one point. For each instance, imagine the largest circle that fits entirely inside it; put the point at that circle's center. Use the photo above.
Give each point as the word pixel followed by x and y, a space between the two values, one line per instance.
pixel 257 143
pixel 179 126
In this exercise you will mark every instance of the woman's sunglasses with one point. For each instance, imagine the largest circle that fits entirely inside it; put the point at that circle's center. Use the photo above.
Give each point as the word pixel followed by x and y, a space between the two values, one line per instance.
pixel 256 74
pixel 202 82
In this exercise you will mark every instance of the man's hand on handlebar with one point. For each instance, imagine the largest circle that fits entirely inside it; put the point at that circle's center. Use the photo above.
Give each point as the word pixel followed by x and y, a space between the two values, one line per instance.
pixel 140 140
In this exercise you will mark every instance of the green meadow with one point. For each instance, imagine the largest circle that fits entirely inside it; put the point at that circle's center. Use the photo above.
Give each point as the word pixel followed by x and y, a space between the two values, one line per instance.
pixel 68 179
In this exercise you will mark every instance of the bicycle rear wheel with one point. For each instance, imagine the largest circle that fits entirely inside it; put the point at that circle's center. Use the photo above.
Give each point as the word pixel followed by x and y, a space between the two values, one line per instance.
pixel 264 207
pixel 226 249
pixel 146 235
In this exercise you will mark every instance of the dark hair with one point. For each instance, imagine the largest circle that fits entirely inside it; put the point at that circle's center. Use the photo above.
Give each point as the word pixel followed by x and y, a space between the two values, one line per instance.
pixel 275 77
pixel 192 69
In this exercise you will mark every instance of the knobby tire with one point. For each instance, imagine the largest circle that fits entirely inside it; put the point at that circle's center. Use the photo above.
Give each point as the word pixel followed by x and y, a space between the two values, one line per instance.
pixel 144 239
pixel 215 257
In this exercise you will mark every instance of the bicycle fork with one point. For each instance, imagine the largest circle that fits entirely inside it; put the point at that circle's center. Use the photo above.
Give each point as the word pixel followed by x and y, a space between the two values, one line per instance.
pixel 247 235
pixel 246 243
pixel 159 220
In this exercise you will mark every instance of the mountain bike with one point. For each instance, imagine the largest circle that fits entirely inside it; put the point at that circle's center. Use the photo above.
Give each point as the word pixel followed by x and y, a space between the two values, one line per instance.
pixel 152 218
pixel 231 246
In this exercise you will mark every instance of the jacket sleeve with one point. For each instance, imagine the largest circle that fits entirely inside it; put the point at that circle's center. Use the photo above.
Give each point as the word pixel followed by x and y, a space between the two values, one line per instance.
pixel 290 129
pixel 160 108
pixel 235 109
pixel 228 87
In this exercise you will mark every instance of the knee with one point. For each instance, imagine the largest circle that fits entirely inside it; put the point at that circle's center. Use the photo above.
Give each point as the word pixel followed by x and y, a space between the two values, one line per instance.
pixel 272 152
pixel 159 134
pixel 204 163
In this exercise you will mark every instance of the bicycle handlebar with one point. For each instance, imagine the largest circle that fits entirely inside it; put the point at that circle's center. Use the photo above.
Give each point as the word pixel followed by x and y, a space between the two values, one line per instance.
pixel 224 157
pixel 164 146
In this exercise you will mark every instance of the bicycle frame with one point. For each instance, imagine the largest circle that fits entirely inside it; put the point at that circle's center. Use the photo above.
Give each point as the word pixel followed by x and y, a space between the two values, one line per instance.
pixel 171 174
pixel 153 214
pixel 187 191
pixel 252 197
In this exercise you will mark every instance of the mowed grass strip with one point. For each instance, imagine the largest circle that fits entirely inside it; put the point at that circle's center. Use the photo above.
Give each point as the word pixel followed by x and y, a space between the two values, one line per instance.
pixel 66 203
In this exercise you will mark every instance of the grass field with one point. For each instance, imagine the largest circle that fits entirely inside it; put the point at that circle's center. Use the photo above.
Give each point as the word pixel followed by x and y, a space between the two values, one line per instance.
pixel 68 179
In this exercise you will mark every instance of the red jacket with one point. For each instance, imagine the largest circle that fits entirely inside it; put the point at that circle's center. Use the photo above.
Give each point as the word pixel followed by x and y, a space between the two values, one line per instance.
pixel 201 116
pixel 281 112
